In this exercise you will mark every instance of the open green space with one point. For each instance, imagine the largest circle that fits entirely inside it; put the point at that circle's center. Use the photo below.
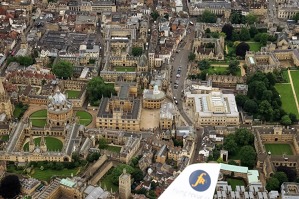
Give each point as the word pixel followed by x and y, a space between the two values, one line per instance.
pixel 113 148
pixel 72 94
pixel 107 182
pixel 17 112
pixel 218 63
pixel 285 75
pixel 233 182
pixel 295 79
pixel 287 98
pixel 39 114
pixel 279 149
pixel 85 118
pixel 53 144
pixel 4 137
pixel 213 70
pixel 123 69
pixel 254 46
pixel 47 174
pixel 38 122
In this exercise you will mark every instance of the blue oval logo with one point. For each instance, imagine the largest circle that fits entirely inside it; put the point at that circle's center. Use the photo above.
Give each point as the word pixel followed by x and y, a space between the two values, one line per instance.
pixel 200 180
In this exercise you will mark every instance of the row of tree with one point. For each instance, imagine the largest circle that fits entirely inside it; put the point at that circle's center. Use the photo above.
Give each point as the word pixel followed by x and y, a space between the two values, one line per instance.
pixel 263 101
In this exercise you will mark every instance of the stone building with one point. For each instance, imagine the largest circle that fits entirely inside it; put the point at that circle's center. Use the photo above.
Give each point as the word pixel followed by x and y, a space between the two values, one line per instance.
pixel 129 149
pixel 59 110
pixel 124 185
pixel 6 107
pixel 167 114
pixel 219 8
pixel 225 81
pixel 153 99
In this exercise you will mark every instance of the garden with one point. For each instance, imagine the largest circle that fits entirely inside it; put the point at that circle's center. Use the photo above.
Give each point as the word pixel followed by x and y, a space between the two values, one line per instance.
pixel 124 69
pixel 279 149
pixel 72 94
pixel 53 144
pixel 85 118
pixel 39 118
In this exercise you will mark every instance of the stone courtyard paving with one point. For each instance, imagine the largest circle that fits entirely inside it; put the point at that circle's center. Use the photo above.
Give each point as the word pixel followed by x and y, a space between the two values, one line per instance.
pixel 149 118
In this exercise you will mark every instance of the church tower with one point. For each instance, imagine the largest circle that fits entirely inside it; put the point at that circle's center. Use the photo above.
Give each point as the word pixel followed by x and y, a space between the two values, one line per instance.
pixel 124 185
pixel 42 144
pixel 5 103
pixel 31 144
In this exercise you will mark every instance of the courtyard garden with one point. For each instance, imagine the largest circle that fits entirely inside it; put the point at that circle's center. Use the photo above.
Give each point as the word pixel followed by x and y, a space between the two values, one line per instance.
pixel 233 182
pixel 254 46
pixel 115 149
pixel 53 144
pixel 287 98
pixel 47 174
pixel 20 109
pixel 85 118
pixel 124 69
pixel 107 181
pixel 279 149
pixel 39 118
pixel 4 137
pixel 72 94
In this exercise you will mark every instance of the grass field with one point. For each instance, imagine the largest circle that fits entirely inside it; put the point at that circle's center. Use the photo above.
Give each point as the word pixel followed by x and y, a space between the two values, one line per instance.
pixel 107 182
pixel 123 69
pixel 113 148
pixel 46 175
pixel 38 122
pixel 286 75
pixel 53 144
pixel 254 46
pixel 279 149
pixel 4 137
pixel 213 70
pixel 39 114
pixel 85 117
pixel 287 98
pixel 295 79
pixel 71 94
pixel 235 182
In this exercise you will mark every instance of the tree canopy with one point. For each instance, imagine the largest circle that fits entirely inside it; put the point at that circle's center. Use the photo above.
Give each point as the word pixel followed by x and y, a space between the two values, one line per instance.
pixel 191 57
pixel 251 19
pixel 237 18
pixel 208 17
pixel 272 184
pixel 244 34
pixel 286 120
pixel 22 60
pixel 155 15
pixel 118 170
pixel 63 69
pixel 233 67
pixel 97 88
pixel 248 157
pixel 241 49
pixel 10 186
pixel 228 30
pixel 204 64
pixel 137 51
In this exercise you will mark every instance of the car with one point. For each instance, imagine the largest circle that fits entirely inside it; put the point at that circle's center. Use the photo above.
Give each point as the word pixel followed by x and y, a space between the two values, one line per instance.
pixel 176 101
pixel 174 97
pixel 176 86
pixel 178 75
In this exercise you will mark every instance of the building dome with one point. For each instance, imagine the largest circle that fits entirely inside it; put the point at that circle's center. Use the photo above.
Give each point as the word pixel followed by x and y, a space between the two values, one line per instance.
pixel 58 98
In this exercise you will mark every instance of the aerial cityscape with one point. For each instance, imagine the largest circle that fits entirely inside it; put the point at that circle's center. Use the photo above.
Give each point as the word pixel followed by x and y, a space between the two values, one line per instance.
pixel 107 99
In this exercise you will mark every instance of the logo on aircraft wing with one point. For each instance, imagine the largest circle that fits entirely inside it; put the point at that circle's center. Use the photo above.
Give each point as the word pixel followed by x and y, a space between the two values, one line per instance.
pixel 200 180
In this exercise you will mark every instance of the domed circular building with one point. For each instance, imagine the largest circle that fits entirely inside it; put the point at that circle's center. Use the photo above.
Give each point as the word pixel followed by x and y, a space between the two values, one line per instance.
pixel 60 110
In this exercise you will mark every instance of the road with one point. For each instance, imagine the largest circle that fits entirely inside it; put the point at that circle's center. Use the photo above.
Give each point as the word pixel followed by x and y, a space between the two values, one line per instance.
pixel 197 145
pixel 181 59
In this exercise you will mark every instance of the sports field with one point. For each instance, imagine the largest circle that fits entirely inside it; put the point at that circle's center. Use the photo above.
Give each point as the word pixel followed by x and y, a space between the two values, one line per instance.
pixel 287 98
pixel 279 149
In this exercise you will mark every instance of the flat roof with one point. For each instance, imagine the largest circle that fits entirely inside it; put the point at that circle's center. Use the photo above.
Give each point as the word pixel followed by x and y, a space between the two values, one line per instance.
pixel 251 60
pixel 67 183
pixel 234 168
pixel 253 176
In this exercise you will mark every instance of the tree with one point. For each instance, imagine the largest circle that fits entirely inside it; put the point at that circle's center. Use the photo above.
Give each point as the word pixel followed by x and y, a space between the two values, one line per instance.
pixel 290 172
pixel 296 17
pixel 137 175
pixel 241 49
pixel 204 64
pixel 155 15
pixel 248 157
pixel 63 69
pixel 253 31
pixel 233 67
pixel 250 106
pixel 208 17
pixel 228 30
pixel 10 186
pixel 118 170
pixel 286 120
pixel 220 160
pixel 272 184
pixel 97 88
pixel 235 18
pixel 281 177
pixel 241 99
pixel 244 137
pixel 251 19
pixel 265 110
pixel 103 144
pixel 293 118
pixel 230 144
pixel 235 36
pixel 137 51
pixel 232 162
pixel 244 34
pixel 191 57
pixel 264 38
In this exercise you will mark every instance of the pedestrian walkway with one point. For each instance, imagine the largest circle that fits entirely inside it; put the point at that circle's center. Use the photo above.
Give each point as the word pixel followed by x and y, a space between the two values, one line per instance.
pixel 293 89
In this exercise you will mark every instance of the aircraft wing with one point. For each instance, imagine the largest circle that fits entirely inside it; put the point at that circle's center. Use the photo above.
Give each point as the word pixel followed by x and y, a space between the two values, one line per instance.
pixel 197 181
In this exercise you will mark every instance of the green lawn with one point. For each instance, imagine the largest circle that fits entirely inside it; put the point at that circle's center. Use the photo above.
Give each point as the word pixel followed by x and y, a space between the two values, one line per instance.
pixel 114 148
pixel 295 79
pixel 39 114
pixel 285 75
pixel 38 122
pixel 255 46
pixel 213 70
pixel 4 137
pixel 279 149
pixel 53 144
pixel 106 181
pixel 287 98
pixel 85 118
pixel 123 69
pixel 218 63
pixel 46 175
pixel 71 94
pixel 235 182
